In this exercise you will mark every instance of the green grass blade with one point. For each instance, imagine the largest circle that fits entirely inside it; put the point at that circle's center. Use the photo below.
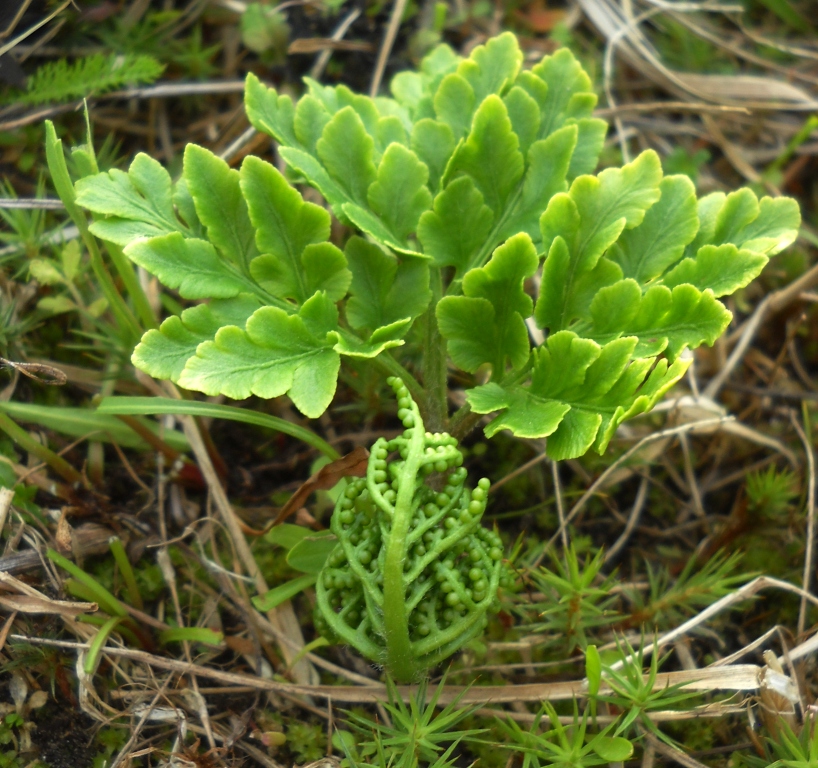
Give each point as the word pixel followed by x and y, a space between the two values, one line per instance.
pixel 79 422
pixel 98 643
pixel 192 635
pixel 106 601
pixel 154 405
pixel 283 592
pixel 65 189
pixel 28 443
pixel 124 565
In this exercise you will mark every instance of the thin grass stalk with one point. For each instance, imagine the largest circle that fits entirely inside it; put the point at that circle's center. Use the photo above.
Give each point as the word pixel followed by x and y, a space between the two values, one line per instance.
pixel 805 435
pixel 44 454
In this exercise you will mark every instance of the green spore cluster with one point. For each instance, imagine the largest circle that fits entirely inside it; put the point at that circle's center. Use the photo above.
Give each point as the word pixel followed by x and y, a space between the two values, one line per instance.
pixel 414 574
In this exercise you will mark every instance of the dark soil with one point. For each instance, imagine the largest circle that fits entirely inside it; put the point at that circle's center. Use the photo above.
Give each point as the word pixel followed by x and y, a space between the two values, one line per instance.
pixel 64 737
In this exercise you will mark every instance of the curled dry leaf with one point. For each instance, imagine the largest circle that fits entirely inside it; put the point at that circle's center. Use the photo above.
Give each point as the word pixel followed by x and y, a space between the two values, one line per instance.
pixel 38 700
pixel 44 374
pixel 351 465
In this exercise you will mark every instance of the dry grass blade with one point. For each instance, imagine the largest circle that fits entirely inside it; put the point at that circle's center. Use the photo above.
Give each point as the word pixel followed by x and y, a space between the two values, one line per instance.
pixel 318 44
pixel 386 47
pixel 621 29
pixel 31 30
pixel 674 754
pixel 29 204
pixel 748 90
pixel 599 483
pixel 810 534
pixel 88 539
pixel 633 519
pixel 283 617
pixel 738 677
pixel 749 330
pixel 26 599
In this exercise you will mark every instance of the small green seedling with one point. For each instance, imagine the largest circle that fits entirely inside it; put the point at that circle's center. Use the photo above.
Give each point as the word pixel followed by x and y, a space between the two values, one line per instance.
pixel 562 299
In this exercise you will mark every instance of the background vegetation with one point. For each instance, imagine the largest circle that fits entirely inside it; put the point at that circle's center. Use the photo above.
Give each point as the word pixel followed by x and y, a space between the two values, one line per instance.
pixel 674 575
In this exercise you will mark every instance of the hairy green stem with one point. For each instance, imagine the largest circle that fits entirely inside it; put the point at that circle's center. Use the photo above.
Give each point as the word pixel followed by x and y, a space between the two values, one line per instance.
pixel 434 363
pixel 392 367
pixel 464 420
pixel 400 658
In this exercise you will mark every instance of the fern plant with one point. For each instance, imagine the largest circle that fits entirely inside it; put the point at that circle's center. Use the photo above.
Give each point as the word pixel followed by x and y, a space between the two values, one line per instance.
pixel 479 226
pixel 466 183
pixel 62 80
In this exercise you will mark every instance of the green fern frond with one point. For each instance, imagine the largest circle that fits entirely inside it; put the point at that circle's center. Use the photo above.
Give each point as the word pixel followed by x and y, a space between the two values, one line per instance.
pixel 61 80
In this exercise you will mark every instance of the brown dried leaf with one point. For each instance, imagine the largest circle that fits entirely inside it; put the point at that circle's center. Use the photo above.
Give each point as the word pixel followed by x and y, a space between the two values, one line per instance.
pixel 45 374
pixel 352 465
pixel 540 19
pixel 63 534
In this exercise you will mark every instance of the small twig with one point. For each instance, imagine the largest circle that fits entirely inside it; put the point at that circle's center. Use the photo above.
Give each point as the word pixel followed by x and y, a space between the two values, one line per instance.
pixel 648 757
pixel 808 555
pixel 540 457
pixel 682 758
pixel 323 58
pixel 386 48
pixel 749 332
pixel 750 589
pixel 236 145
pixel 775 394
pixel 555 474
pixel 798 365
pixel 775 302
pixel 692 482
pixel 633 519
pixel 733 154
pixel 31 203
pixel 577 508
